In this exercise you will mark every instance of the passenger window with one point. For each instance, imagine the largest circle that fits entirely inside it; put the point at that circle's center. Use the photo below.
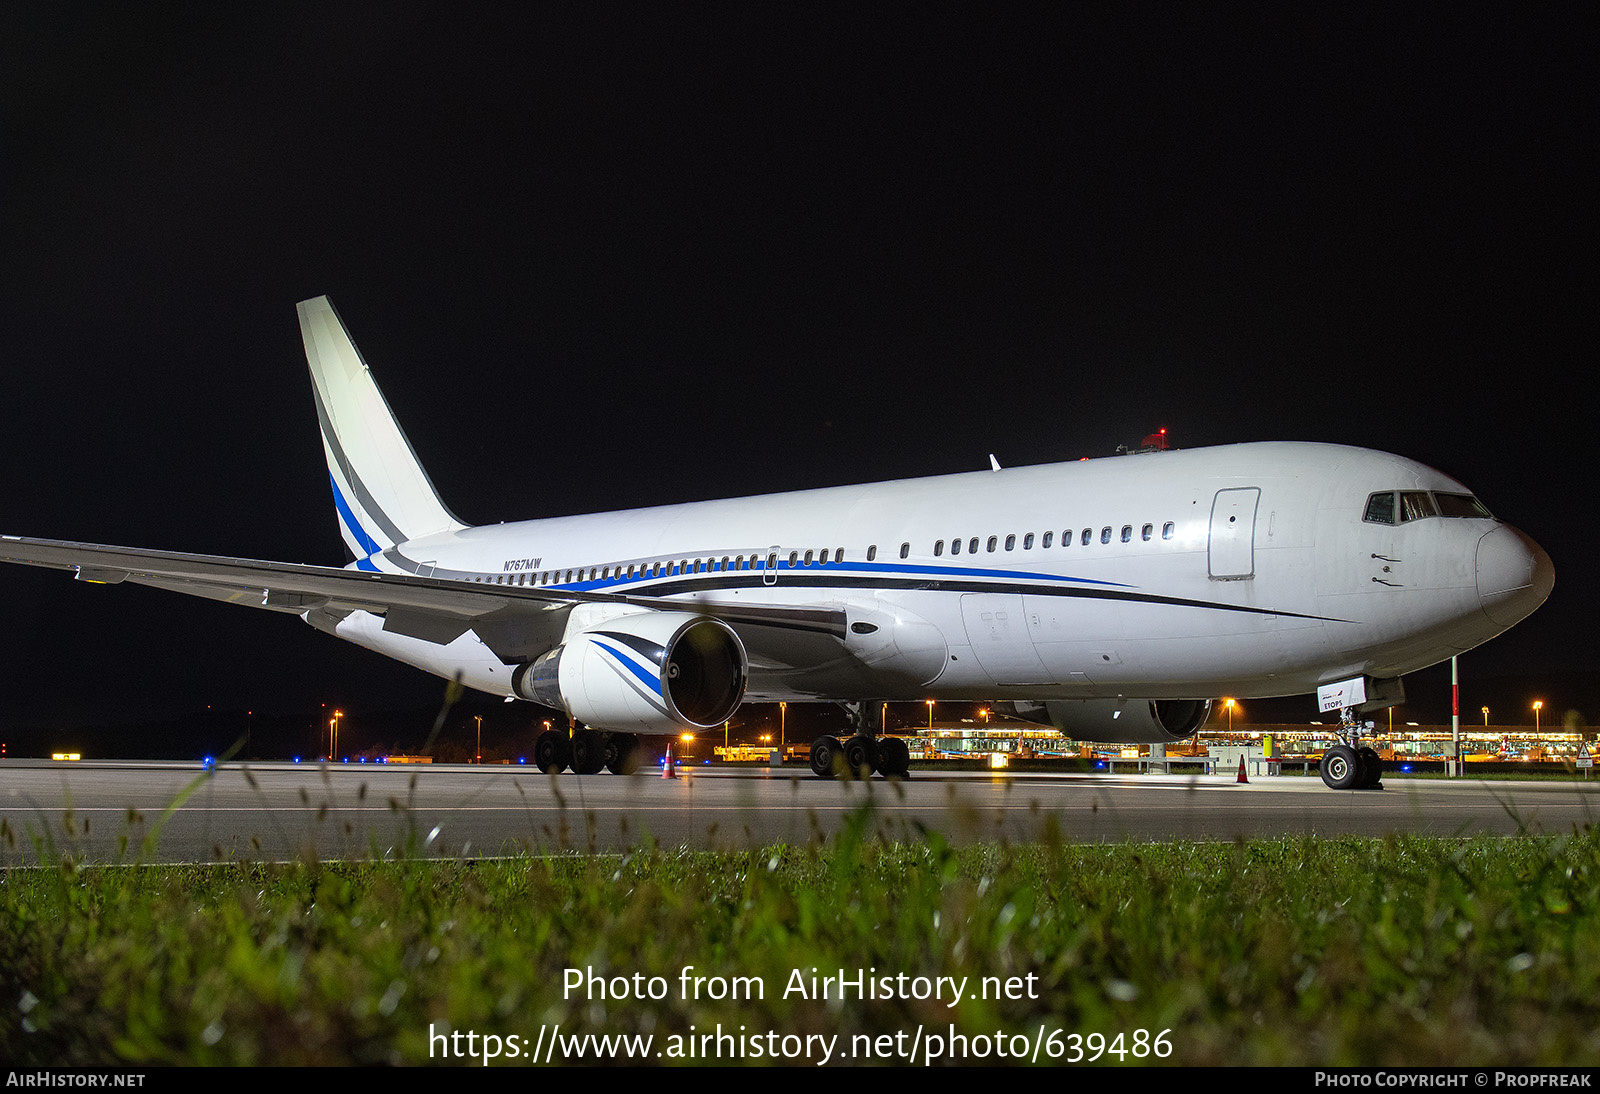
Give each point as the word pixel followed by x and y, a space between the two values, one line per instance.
pixel 1146 532
pixel 1046 543
pixel 1167 529
pixel 1105 534
pixel 972 545
pixel 872 553
pixel 994 541
pixel 1380 508
pixel 955 546
pixel 1088 534
pixel 1027 542
pixel 838 556
pixel 905 550
pixel 938 548
pixel 1011 542
pixel 794 558
pixel 1127 533
pixel 808 557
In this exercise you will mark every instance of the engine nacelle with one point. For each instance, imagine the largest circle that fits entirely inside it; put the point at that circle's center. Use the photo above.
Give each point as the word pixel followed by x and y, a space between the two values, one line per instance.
pixel 651 672
pixel 1121 721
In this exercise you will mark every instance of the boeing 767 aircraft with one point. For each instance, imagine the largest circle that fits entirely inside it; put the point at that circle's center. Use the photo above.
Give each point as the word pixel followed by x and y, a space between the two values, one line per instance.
pixel 1113 598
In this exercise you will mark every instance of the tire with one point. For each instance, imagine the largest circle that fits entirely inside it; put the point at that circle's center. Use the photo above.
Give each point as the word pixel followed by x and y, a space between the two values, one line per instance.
pixel 1371 768
pixel 826 754
pixel 1341 768
pixel 588 752
pixel 861 756
pixel 621 753
pixel 894 758
pixel 551 752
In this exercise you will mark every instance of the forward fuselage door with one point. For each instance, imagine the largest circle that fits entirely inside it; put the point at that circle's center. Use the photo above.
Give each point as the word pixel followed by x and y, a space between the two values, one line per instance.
pixel 1231 549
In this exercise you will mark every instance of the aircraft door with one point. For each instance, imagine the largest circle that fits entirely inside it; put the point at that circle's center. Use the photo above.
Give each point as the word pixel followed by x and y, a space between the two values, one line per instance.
pixel 1230 550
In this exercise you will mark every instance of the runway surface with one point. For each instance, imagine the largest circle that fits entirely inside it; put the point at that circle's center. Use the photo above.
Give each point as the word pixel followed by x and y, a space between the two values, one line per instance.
pixel 109 812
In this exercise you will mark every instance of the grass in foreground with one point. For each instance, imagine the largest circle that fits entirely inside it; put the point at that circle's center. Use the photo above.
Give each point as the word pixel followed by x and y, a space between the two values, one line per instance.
pixel 1401 951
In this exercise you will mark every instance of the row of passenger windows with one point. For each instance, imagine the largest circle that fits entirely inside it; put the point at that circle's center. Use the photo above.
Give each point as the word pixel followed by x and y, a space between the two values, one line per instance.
pixel 798 558
pixel 1147 532
pixel 669 568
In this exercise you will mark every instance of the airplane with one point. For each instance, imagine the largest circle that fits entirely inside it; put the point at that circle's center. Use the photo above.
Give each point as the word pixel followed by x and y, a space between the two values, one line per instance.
pixel 1114 598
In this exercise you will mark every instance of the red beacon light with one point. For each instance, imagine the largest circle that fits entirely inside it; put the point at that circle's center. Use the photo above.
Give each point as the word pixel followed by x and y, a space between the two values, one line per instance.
pixel 1156 440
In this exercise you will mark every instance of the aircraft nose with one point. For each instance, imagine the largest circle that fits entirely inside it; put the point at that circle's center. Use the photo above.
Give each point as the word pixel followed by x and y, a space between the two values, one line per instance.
pixel 1514 575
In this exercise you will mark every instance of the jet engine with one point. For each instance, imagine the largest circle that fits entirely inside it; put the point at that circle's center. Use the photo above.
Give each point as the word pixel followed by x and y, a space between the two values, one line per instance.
pixel 1120 721
pixel 651 672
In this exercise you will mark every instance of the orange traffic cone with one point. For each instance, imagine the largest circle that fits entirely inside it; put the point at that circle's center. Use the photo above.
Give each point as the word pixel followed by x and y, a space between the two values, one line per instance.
pixel 668 769
pixel 1241 777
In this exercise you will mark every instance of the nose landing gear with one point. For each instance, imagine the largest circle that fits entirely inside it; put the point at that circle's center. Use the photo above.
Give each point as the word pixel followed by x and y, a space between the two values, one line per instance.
pixel 1350 765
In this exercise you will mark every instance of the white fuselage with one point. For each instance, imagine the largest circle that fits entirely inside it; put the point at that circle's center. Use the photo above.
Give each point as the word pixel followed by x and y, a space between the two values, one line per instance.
pixel 1248 570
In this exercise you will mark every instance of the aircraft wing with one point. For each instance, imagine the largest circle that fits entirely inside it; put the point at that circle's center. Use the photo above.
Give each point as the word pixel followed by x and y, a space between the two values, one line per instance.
pixel 437 610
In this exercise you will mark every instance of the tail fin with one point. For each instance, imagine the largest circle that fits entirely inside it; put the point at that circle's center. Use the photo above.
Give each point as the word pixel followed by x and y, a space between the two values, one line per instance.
pixel 379 488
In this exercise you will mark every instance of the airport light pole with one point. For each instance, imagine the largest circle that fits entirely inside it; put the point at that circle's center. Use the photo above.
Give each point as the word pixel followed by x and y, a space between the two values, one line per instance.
pixel 479 719
pixel 1538 703
pixel 783 728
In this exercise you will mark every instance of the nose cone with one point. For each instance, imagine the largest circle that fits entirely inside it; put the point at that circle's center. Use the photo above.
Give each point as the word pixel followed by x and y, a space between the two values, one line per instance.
pixel 1514 575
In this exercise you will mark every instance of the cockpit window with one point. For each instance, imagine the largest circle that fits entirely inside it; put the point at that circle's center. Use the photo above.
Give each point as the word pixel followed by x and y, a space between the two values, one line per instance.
pixel 1416 504
pixel 1403 506
pixel 1461 505
pixel 1380 509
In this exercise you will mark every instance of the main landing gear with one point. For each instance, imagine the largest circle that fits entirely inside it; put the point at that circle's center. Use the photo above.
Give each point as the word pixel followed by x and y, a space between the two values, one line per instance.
pixel 1350 765
pixel 586 751
pixel 862 754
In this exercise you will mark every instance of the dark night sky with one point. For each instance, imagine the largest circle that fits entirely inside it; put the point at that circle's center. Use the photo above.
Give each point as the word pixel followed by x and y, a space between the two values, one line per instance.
pixel 606 256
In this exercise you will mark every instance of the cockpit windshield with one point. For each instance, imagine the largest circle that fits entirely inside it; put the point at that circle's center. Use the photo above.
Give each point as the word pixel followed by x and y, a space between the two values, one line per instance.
pixel 1403 506
pixel 1461 505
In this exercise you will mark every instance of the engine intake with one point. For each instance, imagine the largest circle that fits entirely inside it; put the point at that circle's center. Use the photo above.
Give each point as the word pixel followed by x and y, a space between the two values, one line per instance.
pixel 654 672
